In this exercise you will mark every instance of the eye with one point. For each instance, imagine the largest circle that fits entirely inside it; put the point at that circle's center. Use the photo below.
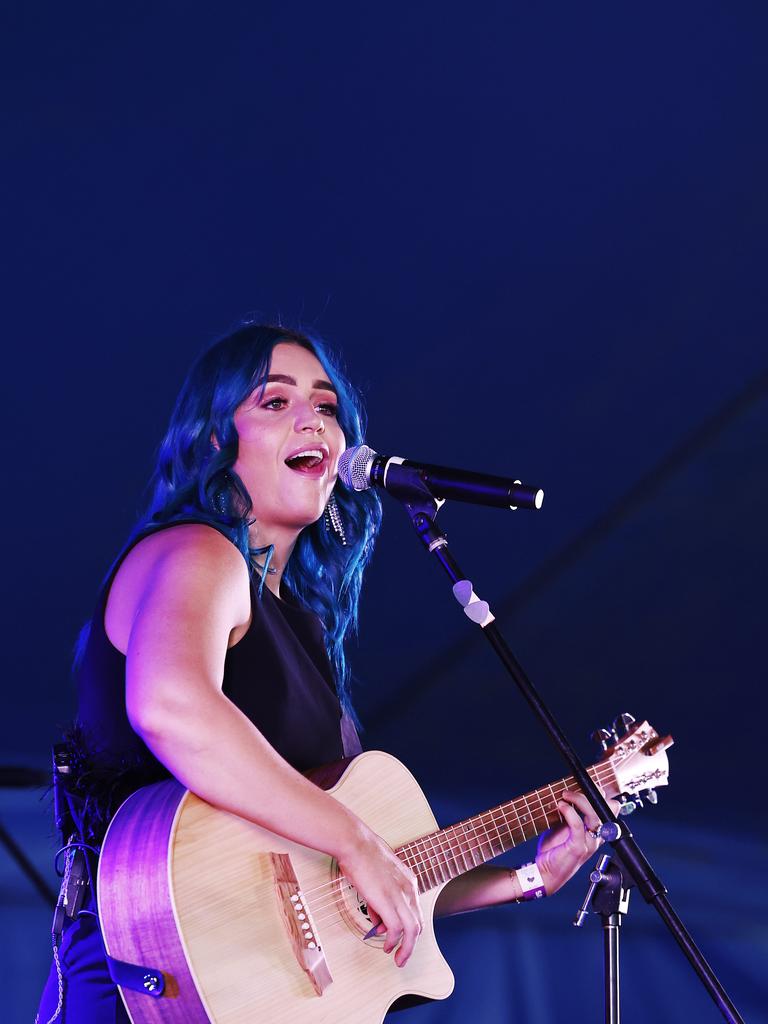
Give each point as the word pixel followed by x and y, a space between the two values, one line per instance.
pixel 277 402
pixel 329 409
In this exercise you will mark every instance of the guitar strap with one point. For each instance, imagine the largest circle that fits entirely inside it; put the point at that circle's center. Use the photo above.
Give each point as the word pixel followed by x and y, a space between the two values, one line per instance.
pixel 148 980
pixel 349 738
pixel 77 894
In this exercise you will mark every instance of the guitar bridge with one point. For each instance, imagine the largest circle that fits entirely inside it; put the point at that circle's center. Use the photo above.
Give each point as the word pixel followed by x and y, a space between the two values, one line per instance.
pixel 299 925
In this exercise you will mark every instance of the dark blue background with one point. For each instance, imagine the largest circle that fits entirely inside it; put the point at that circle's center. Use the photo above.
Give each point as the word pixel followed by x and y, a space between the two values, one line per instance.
pixel 538 235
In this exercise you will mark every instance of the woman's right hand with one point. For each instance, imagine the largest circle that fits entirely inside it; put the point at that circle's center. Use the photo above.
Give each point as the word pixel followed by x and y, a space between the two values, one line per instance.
pixel 389 889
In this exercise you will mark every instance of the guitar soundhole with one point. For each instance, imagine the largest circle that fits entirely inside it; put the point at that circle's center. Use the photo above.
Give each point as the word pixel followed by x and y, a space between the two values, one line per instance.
pixel 355 911
pixel 359 907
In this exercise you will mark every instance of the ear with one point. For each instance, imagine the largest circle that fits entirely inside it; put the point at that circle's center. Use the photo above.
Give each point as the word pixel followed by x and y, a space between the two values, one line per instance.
pixel 214 442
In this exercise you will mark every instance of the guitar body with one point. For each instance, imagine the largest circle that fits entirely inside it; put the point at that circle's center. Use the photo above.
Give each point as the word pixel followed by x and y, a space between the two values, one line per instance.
pixel 247 926
pixel 192 891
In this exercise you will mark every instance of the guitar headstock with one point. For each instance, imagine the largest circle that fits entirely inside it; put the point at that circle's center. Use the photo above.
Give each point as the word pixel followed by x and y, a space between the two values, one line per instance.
pixel 638 758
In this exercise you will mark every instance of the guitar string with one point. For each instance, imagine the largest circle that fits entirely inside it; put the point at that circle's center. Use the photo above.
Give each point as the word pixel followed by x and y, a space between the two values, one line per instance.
pixel 322 919
pixel 337 898
pixel 331 919
pixel 437 865
pixel 561 785
pixel 418 847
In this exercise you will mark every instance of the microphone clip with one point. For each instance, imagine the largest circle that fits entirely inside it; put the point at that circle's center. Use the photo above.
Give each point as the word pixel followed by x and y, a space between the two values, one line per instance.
pixel 405 484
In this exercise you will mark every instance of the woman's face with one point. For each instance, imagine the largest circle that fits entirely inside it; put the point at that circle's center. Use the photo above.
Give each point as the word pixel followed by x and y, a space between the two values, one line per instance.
pixel 289 442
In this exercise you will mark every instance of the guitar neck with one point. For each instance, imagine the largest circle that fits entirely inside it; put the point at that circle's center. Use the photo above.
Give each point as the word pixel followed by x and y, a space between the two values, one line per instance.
pixel 443 855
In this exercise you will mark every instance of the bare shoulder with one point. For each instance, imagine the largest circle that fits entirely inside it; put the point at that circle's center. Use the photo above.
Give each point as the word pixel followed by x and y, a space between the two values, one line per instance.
pixel 190 561
pixel 191 546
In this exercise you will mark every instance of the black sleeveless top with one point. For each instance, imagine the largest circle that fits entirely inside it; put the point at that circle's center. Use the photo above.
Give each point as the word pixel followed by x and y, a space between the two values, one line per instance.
pixel 278 675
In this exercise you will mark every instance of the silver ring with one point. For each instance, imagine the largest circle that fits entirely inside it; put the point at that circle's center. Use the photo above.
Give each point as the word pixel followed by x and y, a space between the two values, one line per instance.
pixel 594 832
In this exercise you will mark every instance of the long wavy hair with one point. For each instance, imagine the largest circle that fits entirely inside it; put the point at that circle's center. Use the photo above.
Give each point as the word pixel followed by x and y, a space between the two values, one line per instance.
pixel 195 480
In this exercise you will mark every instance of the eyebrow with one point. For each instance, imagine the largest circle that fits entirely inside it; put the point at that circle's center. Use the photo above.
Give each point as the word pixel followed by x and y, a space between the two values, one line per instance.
pixel 283 378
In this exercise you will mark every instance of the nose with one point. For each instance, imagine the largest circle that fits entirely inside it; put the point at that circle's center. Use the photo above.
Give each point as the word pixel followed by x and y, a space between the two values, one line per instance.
pixel 308 419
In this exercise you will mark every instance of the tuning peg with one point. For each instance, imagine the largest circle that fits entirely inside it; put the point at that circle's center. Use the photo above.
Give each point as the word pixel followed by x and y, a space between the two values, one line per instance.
pixel 651 796
pixel 627 805
pixel 604 737
pixel 623 722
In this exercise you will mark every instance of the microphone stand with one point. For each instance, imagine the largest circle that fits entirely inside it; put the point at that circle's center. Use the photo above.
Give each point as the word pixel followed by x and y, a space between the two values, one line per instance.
pixel 406 484
pixel 609 893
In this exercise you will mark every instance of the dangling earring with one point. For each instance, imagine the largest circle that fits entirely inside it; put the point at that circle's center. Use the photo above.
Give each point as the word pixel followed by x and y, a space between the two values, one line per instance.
pixel 332 518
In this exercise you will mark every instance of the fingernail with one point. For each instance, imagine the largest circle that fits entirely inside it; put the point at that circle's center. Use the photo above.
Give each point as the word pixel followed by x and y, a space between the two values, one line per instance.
pixel 371 933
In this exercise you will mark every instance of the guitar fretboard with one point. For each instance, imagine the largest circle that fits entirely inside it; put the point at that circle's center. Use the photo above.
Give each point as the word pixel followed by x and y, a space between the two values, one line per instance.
pixel 443 855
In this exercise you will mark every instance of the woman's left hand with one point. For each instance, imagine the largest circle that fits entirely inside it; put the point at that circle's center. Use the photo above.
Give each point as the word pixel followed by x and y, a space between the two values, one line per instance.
pixel 564 848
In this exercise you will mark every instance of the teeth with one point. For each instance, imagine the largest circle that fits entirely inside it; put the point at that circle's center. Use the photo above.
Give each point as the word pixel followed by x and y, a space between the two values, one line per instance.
pixel 311 453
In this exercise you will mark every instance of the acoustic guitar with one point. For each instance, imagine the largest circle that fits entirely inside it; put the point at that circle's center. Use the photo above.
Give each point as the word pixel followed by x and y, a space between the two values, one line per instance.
pixel 216 920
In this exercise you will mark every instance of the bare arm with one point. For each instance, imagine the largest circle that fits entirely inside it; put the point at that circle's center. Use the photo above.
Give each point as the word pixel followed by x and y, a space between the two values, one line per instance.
pixel 562 851
pixel 192 599
pixel 483 886
pixel 187 600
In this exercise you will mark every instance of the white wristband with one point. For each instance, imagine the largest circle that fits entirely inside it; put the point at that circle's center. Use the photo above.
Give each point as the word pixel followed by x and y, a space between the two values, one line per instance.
pixel 530 881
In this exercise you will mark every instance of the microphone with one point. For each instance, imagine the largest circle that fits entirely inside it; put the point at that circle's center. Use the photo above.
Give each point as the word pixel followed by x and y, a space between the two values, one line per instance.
pixel 361 467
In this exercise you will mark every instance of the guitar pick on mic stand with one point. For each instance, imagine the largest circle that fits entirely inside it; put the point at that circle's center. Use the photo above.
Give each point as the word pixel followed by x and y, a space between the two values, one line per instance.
pixel 422 489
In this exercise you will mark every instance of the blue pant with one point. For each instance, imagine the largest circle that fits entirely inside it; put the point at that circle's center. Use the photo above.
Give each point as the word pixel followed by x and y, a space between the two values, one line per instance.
pixel 90 995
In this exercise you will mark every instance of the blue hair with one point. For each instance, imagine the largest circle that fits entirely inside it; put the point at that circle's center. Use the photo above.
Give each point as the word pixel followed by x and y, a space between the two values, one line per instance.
pixel 195 480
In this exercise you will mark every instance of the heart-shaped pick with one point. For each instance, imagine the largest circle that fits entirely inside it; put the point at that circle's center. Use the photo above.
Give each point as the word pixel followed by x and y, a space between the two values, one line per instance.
pixel 477 611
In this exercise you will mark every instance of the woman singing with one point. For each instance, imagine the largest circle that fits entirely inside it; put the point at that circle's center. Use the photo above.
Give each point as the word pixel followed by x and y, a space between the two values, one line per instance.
pixel 216 651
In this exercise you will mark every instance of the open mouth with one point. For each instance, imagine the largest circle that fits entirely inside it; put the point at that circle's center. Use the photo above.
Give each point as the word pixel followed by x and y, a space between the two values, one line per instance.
pixel 310 462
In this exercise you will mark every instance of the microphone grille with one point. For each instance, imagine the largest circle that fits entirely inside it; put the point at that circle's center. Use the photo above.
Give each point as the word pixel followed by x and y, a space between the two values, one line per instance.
pixel 355 467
